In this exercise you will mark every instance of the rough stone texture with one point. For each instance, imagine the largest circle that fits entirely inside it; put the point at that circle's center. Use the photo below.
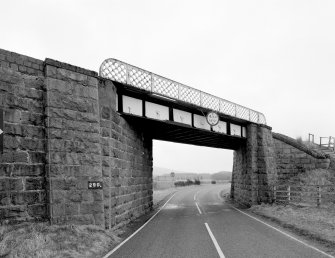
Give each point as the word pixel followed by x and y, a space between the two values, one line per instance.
pixel 22 164
pixel 62 130
pixel 268 159
pixel 74 151
pixel 20 63
pixel 126 163
pixel 254 169
pixel 291 161
pixel 314 152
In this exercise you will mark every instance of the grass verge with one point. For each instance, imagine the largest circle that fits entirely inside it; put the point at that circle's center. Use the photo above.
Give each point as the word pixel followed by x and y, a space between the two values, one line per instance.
pixel 317 224
pixel 43 240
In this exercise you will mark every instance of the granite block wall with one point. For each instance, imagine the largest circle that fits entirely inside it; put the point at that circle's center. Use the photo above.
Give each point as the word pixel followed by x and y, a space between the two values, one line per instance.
pixel 293 158
pixel 254 167
pixel 23 195
pixel 61 130
pixel 126 163
pixel 73 146
pixel 268 159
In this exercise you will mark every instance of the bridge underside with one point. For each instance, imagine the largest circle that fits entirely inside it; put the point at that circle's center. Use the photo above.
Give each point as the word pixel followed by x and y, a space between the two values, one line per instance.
pixel 180 133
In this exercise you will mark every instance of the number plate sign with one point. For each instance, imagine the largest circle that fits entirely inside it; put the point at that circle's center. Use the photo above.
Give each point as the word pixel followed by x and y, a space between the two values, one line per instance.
pixel 94 185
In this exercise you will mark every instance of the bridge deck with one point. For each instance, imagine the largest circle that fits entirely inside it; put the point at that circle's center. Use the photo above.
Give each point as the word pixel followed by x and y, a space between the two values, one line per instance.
pixel 140 107
pixel 180 133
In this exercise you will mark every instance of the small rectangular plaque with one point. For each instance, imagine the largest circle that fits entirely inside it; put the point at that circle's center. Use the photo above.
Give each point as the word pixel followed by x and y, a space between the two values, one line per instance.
pixel 201 122
pixel 156 111
pixel 182 117
pixel 132 106
pixel 235 130
pixel 94 185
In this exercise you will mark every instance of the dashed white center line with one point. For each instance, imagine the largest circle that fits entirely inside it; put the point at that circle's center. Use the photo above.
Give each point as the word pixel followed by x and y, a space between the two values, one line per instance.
pixel 195 196
pixel 218 249
pixel 198 208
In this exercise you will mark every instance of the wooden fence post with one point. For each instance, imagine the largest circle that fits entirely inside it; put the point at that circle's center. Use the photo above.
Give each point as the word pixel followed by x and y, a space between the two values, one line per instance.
pixel 318 200
pixel 274 193
pixel 289 194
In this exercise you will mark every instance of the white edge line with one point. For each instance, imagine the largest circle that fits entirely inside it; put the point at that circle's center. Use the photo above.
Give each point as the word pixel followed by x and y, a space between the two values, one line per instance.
pixel 301 242
pixel 198 208
pixel 218 249
pixel 132 235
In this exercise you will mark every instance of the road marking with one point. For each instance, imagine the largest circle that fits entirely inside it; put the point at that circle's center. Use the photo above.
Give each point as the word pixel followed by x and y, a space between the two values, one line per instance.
pixel 198 208
pixel 301 242
pixel 195 196
pixel 132 235
pixel 218 249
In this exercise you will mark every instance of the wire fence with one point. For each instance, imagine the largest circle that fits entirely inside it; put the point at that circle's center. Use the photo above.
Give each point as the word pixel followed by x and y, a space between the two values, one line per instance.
pixel 134 76
pixel 306 195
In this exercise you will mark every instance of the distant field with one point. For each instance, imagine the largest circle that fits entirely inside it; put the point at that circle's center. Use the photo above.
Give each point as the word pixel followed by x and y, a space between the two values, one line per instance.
pixel 161 185
pixel 166 184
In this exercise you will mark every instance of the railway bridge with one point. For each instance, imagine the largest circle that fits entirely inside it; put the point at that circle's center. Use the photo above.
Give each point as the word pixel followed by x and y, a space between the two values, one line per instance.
pixel 77 145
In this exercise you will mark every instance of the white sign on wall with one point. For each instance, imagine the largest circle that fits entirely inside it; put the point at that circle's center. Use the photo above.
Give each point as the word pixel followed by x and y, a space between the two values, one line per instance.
pixel 221 127
pixel 201 122
pixel 182 117
pixel 132 106
pixel 156 111
pixel 235 129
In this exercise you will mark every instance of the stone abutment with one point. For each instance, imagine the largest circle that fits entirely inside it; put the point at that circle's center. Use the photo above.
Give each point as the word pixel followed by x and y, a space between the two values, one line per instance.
pixel 62 131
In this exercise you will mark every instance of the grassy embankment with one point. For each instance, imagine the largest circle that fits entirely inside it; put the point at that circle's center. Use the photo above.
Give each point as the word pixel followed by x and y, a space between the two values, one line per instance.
pixel 44 241
pixel 315 223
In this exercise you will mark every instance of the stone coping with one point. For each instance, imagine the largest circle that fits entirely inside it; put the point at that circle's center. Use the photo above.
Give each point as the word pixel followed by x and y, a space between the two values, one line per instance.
pixel 300 146
pixel 77 69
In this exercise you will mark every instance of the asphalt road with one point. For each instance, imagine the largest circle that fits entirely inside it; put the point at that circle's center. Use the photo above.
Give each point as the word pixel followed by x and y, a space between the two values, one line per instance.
pixel 196 222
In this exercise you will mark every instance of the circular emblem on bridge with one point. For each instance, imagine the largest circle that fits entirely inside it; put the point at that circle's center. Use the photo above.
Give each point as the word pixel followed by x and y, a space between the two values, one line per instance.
pixel 212 118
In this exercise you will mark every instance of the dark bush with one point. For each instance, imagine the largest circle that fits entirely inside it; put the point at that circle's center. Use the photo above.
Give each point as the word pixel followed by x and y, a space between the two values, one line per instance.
pixel 213 182
pixel 179 183
pixel 187 182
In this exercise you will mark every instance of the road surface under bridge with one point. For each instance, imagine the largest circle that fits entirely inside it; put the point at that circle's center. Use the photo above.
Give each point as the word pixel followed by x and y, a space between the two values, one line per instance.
pixel 197 222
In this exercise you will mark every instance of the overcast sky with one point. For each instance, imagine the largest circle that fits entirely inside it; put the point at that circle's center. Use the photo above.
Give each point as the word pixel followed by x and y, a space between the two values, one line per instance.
pixel 277 57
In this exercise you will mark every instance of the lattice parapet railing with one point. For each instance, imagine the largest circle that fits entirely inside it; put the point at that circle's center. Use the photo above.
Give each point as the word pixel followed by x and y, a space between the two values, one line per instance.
pixel 122 72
